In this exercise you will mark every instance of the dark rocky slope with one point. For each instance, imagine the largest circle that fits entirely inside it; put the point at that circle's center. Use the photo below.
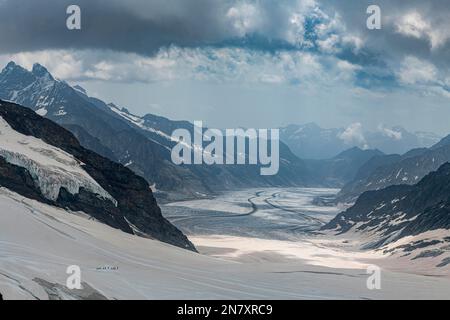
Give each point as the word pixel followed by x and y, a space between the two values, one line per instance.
pixel 400 210
pixel 136 211
pixel 341 169
pixel 384 171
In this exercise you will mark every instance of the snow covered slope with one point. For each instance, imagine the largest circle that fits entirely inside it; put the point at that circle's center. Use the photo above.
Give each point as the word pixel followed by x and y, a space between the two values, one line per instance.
pixel 408 221
pixel 38 242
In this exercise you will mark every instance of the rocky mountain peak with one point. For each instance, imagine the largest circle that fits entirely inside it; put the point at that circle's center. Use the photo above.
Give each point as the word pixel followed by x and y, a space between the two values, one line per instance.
pixel 41 72
pixel 10 66
pixel 13 68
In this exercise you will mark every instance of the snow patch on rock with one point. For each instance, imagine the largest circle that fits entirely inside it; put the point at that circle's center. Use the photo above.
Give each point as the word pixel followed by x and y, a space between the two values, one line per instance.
pixel 42 112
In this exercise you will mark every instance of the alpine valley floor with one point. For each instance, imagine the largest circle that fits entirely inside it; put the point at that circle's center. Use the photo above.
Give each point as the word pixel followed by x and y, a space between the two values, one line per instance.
pixel 254 244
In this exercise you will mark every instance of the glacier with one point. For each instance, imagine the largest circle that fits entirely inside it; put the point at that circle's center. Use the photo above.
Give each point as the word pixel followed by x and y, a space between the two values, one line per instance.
pixel 38 242
pixel 51 168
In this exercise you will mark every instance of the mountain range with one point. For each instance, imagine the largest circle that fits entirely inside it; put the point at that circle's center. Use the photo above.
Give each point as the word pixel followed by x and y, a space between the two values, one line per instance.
pixel 45 155
pixel 142 144
pixel 341 169
pixel 402 218
pixel 386 170
pixel 310 141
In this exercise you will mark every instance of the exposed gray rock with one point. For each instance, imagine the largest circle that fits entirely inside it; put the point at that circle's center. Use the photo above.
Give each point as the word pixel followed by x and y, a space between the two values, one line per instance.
pixel 55 291
pixel 429 254
pixel 444 263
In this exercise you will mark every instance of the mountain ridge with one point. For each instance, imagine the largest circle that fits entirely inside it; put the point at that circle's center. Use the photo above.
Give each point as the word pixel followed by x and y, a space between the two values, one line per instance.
pixel 384 171
pixel 410 221
pixel 134 209
pixel 310 141
pixel 136 144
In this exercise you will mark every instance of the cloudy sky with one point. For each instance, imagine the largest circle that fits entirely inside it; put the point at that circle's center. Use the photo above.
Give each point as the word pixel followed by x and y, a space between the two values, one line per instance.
pixel 254 63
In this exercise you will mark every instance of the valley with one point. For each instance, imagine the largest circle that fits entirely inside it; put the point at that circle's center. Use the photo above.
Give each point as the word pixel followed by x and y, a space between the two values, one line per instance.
pixel 282 225
pixel 269 213
pixel 231 267
pixel 309 232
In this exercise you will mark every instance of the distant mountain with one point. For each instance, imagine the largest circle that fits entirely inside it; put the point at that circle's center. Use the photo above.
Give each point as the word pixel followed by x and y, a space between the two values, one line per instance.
pixel 141 143
pixel 397 140
pixel 42 161
pixel 341 169
pixel 384 171
pixel 442 143
pixel 293 171
pixel 310 141
pixel 420 212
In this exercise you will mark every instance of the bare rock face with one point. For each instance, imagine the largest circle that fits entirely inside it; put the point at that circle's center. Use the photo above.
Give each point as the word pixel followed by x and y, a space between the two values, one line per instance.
pixel 136 210
pixel 55 291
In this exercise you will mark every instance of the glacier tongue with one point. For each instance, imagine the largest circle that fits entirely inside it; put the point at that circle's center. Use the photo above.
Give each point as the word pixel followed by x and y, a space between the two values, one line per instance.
pixel 50 167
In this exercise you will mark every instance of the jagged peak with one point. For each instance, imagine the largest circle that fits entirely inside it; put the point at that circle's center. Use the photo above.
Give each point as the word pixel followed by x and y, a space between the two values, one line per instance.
pixel 357 150
pixel 11 66
pixel 40 71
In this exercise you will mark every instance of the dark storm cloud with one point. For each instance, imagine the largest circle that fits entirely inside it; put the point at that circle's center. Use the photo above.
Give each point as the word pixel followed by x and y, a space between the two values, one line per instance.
pixel 389 41
pixel 144 26
pixel 133 25
pixel 139 26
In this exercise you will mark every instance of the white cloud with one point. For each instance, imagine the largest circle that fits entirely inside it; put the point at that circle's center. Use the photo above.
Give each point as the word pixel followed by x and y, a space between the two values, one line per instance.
pixel 413 24
pixel 234 65
pixel 330 44
pixel 390 133
pixel 354 135
pixel 63 64
pixel 423 77
pixel 347 66
pixel 295 34
pixel 415 71
pixel 333 35
pixel 244 18
pixel 277 20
